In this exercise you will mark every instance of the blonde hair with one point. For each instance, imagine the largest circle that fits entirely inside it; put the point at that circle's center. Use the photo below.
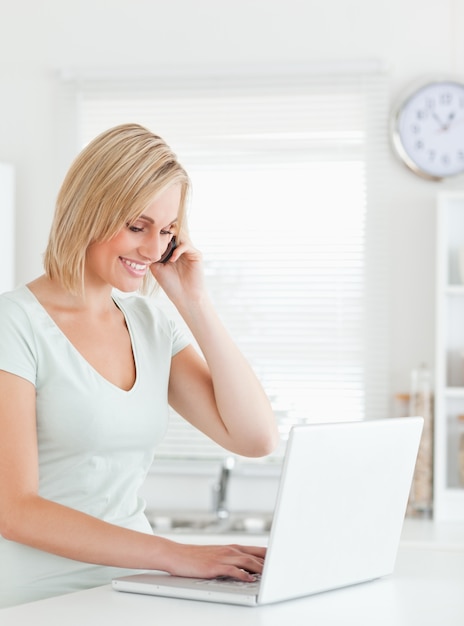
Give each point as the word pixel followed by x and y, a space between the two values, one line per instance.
pixel 109 184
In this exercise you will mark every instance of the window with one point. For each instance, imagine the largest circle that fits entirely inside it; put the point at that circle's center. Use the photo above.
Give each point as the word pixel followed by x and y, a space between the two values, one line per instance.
pixel 288 209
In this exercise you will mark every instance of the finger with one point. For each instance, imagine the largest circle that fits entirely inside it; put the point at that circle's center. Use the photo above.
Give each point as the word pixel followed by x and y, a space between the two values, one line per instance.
pixel 259 551
pixel 247 563
pixel 241 574
pixel 252 565
pixel 186 247
pixel 235 571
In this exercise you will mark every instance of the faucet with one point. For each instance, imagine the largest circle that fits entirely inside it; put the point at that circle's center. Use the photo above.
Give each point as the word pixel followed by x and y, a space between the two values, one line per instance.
pixel 220 488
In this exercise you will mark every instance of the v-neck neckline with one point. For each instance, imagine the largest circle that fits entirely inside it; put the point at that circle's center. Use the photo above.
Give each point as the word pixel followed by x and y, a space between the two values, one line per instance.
pixel 120 307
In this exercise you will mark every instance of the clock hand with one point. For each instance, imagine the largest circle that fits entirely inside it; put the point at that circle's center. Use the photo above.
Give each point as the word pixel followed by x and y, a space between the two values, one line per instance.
pixel 435 117
pixel 451 117
pixel 444 126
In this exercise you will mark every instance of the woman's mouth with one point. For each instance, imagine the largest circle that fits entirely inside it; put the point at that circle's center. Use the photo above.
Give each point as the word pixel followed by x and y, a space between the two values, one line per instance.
pixel 137 269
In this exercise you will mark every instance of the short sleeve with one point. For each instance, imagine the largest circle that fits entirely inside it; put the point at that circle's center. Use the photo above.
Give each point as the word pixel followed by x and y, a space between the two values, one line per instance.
pixel 179 338
pixel 17 344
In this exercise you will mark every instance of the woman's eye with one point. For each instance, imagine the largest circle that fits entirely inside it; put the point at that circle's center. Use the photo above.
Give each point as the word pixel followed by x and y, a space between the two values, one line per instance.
pixel 134 229
pixel 167 232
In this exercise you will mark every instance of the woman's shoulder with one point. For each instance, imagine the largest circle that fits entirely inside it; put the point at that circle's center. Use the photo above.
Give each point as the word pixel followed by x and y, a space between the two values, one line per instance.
pixel 149 316
pixel 137 304
pixel 142 310
pixel 18 299
pixel 19 315
pixel 18 333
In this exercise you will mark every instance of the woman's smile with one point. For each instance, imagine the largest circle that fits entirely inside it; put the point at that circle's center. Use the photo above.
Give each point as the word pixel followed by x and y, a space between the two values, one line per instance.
pixel 144 241
pixel 133 267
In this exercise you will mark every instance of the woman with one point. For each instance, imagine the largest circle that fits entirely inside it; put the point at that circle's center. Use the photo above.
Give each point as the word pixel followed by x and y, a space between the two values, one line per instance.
pixel 86 377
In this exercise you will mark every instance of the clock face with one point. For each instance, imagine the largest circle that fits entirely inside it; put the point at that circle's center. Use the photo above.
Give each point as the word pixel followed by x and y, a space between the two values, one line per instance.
pixel 429 130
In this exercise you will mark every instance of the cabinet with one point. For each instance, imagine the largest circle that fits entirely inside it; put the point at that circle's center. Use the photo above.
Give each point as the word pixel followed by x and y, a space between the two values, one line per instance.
pixel 449 357
pixel 7 234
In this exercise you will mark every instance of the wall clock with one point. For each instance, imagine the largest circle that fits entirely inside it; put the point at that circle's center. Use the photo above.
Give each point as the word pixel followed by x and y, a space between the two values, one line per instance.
pixel 428 129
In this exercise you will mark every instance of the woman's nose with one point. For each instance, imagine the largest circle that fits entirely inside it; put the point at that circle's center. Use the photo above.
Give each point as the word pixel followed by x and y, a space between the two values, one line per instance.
pixel 152 248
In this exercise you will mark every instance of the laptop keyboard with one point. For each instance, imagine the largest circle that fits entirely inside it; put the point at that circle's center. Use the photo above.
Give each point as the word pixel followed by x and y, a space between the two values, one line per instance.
pixel 228 581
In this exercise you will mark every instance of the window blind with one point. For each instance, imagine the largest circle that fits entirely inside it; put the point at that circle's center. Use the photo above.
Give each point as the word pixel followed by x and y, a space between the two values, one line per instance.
pixel 288 209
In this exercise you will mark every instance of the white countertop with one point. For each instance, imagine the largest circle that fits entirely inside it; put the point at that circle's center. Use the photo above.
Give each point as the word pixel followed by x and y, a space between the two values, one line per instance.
pixel 426 589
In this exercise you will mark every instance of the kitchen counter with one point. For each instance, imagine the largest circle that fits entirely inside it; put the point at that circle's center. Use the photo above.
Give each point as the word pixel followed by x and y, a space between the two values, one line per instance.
pixel 426 589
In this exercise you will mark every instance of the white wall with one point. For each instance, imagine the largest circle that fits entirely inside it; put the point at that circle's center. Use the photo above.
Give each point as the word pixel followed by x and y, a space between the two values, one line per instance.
pixel 7 230
pixel 415 37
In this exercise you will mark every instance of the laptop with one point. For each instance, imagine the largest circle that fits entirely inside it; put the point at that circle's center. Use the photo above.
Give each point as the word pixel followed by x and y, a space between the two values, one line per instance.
pixel 338 518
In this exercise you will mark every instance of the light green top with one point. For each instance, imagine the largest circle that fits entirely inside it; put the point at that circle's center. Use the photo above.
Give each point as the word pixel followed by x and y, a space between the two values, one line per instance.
pixel 96 442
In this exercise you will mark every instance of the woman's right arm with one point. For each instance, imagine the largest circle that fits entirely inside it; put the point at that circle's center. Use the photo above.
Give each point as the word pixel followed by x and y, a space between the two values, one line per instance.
pixel 29 519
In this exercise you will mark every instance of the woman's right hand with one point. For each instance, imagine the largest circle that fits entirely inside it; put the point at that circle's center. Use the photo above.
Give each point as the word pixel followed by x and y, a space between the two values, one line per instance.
pixel 210 561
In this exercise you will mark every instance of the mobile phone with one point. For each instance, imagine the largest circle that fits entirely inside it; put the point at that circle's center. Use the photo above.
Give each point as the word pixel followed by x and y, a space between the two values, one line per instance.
pixel 167 254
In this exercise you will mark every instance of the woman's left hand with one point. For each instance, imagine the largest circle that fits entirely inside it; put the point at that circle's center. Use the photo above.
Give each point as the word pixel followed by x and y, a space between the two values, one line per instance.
pixel 182 276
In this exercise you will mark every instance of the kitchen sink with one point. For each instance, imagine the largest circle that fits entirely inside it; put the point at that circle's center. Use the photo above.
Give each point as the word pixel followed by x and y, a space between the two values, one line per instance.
pixel 200 522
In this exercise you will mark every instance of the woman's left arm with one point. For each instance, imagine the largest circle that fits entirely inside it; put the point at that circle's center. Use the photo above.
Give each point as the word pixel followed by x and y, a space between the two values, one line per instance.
pixel 218 394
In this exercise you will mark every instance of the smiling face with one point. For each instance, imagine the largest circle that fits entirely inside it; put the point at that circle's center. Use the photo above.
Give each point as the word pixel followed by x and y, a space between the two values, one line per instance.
pixel 111 182
pixel 123 261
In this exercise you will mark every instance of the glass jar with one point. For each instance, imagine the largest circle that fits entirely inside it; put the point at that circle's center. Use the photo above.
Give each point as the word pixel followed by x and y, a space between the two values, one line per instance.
pixel 421 499
pixel 461 449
